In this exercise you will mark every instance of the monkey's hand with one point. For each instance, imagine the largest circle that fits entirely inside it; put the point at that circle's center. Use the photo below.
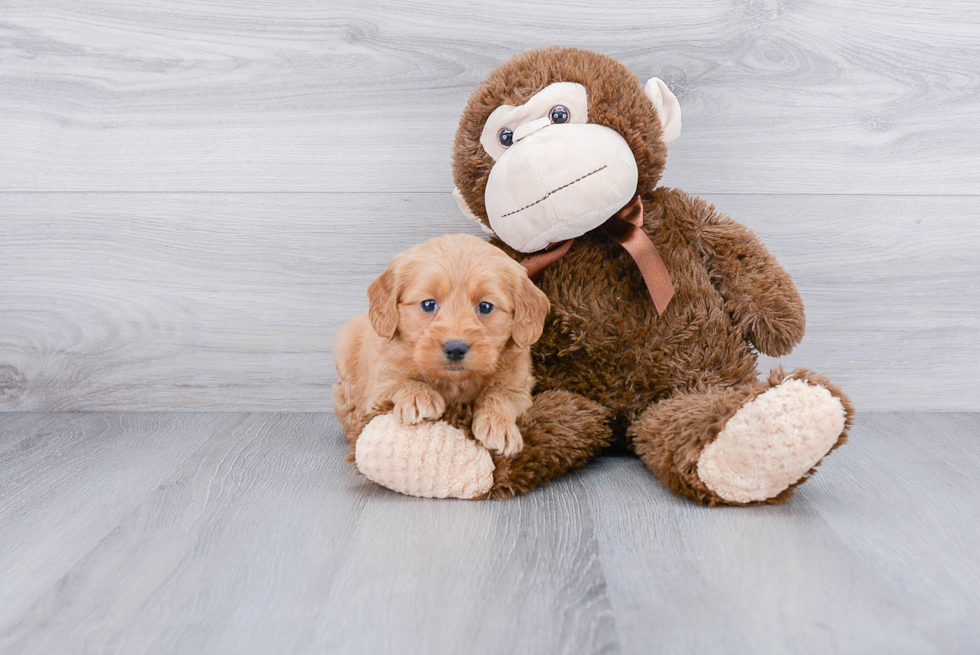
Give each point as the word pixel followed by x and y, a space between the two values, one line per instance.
pixel 759 295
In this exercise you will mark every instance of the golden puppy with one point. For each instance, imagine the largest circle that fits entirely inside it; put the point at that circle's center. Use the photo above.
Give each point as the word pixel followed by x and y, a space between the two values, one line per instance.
pixel 450 321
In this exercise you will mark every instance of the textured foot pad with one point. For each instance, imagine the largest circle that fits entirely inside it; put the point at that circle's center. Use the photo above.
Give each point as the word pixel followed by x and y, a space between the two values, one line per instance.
pixel 431 460
pixel 772 441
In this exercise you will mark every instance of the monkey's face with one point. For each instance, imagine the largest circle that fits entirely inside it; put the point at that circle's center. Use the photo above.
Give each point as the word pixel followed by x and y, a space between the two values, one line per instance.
pixel 564 160
pixel 555 176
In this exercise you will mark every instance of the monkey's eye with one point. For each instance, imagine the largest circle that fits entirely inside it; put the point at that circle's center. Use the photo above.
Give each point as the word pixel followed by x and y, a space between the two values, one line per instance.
pixel 506 137
pixel 559 114
pixel 484 308
pixel 429 306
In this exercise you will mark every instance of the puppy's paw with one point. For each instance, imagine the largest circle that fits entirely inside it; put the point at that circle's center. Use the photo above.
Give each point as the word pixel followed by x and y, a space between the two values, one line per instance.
pixel 498 433
pixel 419 405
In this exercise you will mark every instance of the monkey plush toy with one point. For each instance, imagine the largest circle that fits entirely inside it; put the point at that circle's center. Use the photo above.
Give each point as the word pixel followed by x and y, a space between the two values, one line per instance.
pixel 659 304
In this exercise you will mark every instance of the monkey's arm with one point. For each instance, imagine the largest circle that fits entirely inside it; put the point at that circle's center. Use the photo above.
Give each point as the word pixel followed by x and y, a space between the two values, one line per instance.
pixel 759 294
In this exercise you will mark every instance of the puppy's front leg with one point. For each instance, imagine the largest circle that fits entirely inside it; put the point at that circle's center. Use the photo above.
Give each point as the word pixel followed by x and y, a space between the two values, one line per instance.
pixel 495 419
pixel 416 402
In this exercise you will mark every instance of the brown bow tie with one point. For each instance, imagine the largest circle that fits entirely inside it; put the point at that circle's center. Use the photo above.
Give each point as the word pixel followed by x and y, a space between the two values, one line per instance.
pixel 625 228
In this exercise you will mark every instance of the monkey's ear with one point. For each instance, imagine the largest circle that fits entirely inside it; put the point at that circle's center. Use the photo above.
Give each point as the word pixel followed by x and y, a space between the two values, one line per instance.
pixel 468 213
pixel 530 309
pixel 667 106
pixel 383 299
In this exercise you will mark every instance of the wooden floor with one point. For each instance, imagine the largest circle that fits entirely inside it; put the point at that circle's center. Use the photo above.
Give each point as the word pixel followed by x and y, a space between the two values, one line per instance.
pixel 249 533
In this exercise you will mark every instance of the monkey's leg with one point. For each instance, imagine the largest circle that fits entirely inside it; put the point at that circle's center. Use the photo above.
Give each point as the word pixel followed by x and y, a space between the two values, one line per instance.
pixel 745 445
pixel 561 431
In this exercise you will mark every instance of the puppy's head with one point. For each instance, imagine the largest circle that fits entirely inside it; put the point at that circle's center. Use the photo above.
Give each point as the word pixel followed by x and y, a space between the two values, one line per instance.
pixel 458 302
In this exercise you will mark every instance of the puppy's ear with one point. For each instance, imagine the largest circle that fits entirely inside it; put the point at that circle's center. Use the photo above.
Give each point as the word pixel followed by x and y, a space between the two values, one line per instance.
pixel 383 299
pixel 530 309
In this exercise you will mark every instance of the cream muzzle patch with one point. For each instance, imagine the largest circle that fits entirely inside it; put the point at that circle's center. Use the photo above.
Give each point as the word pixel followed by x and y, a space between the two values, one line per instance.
pixel 556 176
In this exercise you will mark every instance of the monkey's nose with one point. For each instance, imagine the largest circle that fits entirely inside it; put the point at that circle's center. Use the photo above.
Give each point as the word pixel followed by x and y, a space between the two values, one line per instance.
pixel 455 350
pixel 529 128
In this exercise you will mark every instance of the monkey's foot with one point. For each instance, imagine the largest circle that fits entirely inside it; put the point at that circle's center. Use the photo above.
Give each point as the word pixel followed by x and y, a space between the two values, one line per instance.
pixel 773 440
pixel 431 459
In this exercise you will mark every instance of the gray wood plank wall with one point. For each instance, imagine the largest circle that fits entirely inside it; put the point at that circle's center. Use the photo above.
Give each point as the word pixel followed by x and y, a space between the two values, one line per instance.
pixel 194 195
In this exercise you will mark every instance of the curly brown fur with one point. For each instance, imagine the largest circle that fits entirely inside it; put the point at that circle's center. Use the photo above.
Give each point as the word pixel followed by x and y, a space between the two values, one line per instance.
pixel 603 338
pixel 622 107
pixel 671 434
pixel 561 431
pixel 759 295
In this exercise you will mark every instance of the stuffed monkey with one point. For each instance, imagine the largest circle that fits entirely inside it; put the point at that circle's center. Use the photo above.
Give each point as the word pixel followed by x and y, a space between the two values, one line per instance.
pixel 659 303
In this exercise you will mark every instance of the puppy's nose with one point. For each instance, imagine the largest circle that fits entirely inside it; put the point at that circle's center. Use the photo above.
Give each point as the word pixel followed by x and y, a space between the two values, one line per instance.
pixel 455 350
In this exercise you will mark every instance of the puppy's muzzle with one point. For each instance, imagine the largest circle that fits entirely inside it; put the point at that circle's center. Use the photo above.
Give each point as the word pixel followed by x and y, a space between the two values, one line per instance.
pixel 455 351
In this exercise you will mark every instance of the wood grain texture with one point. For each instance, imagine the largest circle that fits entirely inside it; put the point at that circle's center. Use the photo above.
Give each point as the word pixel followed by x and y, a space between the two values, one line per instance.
pixel 923 468
pixel 873 555
pixel 148 260
pixel 231 301
pixel 191 301
pixel 823 96
pixel 235 533
pixel 264 540
pixel 68 481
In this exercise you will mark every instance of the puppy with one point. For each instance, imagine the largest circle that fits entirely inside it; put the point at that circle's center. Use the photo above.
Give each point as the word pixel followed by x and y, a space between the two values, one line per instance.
pixel 450 321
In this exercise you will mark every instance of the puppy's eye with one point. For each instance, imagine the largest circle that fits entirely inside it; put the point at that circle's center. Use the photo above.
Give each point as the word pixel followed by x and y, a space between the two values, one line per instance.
pixel 429 306
pixel 506 137
pixel 484 308
pixel 559 114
